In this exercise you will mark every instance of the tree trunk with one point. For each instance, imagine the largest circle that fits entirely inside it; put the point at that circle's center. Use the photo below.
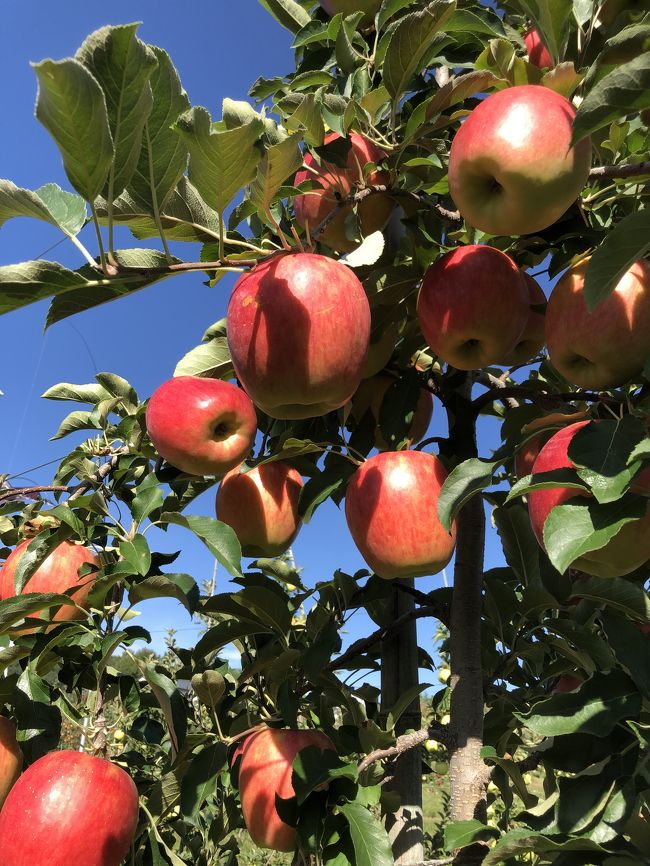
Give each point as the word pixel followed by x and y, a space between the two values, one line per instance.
pixel 399 672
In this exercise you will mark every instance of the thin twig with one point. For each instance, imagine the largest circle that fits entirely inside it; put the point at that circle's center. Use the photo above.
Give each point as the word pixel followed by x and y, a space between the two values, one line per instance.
pixel 435 731
pixel 620 171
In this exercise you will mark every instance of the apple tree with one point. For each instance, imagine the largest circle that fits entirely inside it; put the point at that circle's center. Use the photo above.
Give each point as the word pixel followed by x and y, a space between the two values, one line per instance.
pixel 441 208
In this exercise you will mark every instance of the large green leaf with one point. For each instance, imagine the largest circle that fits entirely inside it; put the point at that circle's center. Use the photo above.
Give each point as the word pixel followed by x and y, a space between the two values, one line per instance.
pixel 171 703
pixel 289 13
pixel 369 838
pixel 218 537
pixel 623 91
pixel 552 19
pixel 179 586
pixel 630 645
pixel 71 106
pixel 163 156
pixel 574 529
pixel 520 546
pixel 200 780
pixel 628 241
pixel 28 282
pixel 222 160
pixel 50 203
pixel 280 162
pixel 464 481
pixel 602 452
pixel 522 840
pixel 615 592
pixel 210 359
pixel 122 64
pixel 460 834
pixel 595 708
pixel 411 42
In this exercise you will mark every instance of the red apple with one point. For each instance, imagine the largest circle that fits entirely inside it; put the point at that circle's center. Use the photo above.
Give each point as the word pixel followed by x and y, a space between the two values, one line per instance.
pixel 567 683
pixel 370 395
pixel 527 454
pixel 604 348
pixel 335 183
pixel 58 573
pixel 264 773
pixel 538 53
pixel 511 171
pixel 69 809
pixel 298 331
pixel 473 306
pixel 627 550
pixel 349 7
pixel 11 758
pixel 201 426
pixel 262 507
pixel 391 507
pixel 532 338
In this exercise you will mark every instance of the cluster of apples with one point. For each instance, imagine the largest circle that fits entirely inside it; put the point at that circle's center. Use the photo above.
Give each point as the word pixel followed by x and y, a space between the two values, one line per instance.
pixel 95 828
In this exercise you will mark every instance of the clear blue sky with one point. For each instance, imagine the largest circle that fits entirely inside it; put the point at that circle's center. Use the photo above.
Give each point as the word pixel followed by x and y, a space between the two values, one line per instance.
pixel 219 50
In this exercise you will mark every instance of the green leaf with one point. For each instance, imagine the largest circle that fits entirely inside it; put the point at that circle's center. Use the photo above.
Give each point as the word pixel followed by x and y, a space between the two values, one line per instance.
pixel 623 91
pixel 308 117
pixel 404 702
pixel 460 834
pixel 218 537
pixel 137 554
pixel 179 586
pixel 71 106
pixel 210 360
pixel 148 498
pixel 289 13
pixel 369 838
pixel 28 282
pixel 411 42
pixel 163 157
pixel 122 64
pixel 222 160
pixel 280 161
pixel 77 393
pixel 630 645
pixel 15 609
pixel 615 592
pixel 546 481
pixel 313 767
pixel 266 606
pixel 625 243
pixel 602 454
pixel 464 481
pixel 522 840
pixel 551 18
pixel 224 633
pixel 520 546
pixel 171 703
pixel 321 486
pixel 50 203
pixel 598 705
pixel 74 421
pixel 573 529
pixel 94 290
pixel 458 89
pixel 200 780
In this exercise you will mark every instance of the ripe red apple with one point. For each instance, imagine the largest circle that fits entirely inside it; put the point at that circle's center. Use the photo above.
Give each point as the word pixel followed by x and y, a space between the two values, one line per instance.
pixel 262 507
pixel 348 7
pixel 538 53
pixel 473 306
pixel 58 573
pixel 391 507
pixel 11 758
pixel 532 338
pixel 608 346
pixel 511 171
pixel 69 809
pixel 627 550
pixel 567 683
pixel 335 183
pixel 201 426
pixel 370 395
pixel 298 331
pixel 527 454
pixel 264 773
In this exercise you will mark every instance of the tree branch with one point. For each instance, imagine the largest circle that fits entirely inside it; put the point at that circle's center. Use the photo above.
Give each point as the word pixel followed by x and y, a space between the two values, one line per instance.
pixel 536 395
pixel 360 646
pixel 435 731
pixel 620 171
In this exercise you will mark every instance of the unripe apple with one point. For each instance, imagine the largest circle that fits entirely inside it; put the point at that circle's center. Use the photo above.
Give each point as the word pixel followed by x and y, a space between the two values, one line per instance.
pixel 492 788
pixel 59 573
pixel 201 426
pixel 69 808
pixel 336 183
pixel 391 507
pixel 606 347
pixel 511 170
pixel 444 674
pixel 264 774
pixel 349 7
pixel 11 758
pixel 298 331
pixel 627 550
pixel 370 395
pixel 532 338
pixel 119 735
pixel 432 745
pixel 473 306
pixel 538 53
pixel 262 507
pixel 446 719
